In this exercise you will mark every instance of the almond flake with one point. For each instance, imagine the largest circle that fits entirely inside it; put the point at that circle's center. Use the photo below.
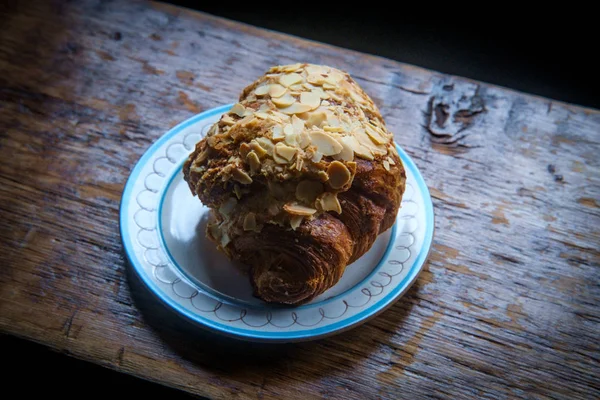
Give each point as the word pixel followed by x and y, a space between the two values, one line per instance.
pixel 262 90
pixel 297 209
pixel 339 175
pixel 311 99
pixel 241 176
pixel 298 124
pixel 317 156
pixel 288 129
pixel 238 109
pixel 291 138
pixel 277 133
pixel 314 69
pixel 307 191
pixel 296 221
pixel 386 165
pixel 391 161
pixel 244 149
pixel 284 101
pixel 329 86
pixel 323 176
pixel 265 144
pixel 238 191
pixel 253 161
pixel 304 140
pixel 276 90
pixel 316 118
pixel 227 206
pixel 328 128
pixel 347 154
pixel 225 239
pixel 374 135
pixel 291 67
pixel 358 149
pixel 260 152
pixel 296 108
pixel 285 151
pixel 299 163
pixel 250 222
pixel 290 79
pixel 325 143
pixel 261 115
pixel 315 79
pixel 329 202
pixel 227 120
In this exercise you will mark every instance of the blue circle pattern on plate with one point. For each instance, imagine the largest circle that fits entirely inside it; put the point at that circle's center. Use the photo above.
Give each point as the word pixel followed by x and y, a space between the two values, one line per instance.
pixel 149 243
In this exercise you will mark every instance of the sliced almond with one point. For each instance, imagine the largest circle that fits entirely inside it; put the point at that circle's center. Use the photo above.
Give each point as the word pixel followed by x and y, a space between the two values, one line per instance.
pixel 315 79
pixel 253 161
pixel 391 161
pixel 299 163
pixel 329 86
pixel 296 108
pixel 288 129
pixel 323 176
pixel 322 94
pixel 339 175
pixel 291 67
pixel 291 138
pixel 290 79
pixel 374 135
pixel 325 143
pixel 285 151
pixel 277 133
pixel 311 99
pixel 329 202
pixel 304 139
pixel 297 87
pixel 317 156
pixel 258 149
pixel 227 120
pixel 225 239
pixel 262 90
pixel 386 165
pixel 297 209
pixel 227 206
pixel 347 154
pixel 307 191
pixel 357 97
pixel 316 118
pixel 250 222
pixel 358 148
pixel 328 128
pixel 238 109
pixel 261 115
pixel 296 221
pixel 284 101
pixel 244 149
pixel 314 69
pixel 298 124
pixel 276 90
pixel 241 176
pixel 265 144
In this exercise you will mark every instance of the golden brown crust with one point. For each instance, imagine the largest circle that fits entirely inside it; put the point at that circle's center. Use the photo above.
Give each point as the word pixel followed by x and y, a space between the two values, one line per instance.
pixel 302 176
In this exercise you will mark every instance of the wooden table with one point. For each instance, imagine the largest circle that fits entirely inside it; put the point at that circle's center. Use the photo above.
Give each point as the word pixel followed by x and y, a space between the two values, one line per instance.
pixel 508 305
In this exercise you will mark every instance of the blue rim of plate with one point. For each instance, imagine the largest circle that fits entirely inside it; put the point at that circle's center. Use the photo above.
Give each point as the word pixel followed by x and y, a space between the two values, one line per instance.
pixel 254 335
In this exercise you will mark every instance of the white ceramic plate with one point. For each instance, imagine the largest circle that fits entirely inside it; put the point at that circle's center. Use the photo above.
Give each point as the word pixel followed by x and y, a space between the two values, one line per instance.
pixel 162 227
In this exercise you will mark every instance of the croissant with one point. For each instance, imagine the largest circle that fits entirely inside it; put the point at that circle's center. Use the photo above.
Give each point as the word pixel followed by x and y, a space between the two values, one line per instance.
pixel 301 176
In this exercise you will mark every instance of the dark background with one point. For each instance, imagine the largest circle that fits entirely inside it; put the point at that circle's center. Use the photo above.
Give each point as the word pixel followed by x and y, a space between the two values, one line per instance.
pixel 548 55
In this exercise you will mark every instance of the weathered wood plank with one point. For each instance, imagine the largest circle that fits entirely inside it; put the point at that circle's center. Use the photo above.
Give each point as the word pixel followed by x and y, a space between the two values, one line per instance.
pixel 508 305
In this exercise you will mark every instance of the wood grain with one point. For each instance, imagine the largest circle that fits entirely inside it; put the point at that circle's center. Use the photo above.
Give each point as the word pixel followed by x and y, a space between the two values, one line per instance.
pixel 508 306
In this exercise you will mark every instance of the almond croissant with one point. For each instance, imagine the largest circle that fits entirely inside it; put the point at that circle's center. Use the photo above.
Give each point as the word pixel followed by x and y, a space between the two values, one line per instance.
pixel 301 176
